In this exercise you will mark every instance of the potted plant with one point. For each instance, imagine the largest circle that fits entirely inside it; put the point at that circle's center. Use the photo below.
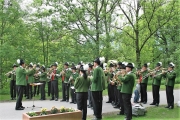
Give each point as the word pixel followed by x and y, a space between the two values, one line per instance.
pixel 54 113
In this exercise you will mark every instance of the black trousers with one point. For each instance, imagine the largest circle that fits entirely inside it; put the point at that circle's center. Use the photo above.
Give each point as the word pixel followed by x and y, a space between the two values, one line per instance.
pixel 143 91
pixel 73 95
pixel 90 97
pixel 111 93
pixel 29 91
pixel 121 103
pixel 81 98
pixel 65 90
pixel 127 105
pixel 115 94
pixel 36 90
pixel 49 88
pixel 170 96
pixel 42 87
pixel 54 89
pixel 118 95
pixel 13 88
pixel 20 90
pixel 156 95
pixel 97 103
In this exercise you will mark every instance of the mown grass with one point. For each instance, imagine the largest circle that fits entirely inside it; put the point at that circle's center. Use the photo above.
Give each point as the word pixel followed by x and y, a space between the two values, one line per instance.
pixel 156 113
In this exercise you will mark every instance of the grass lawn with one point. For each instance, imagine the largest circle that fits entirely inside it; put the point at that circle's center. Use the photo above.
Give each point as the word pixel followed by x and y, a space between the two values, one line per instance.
pixel 156 113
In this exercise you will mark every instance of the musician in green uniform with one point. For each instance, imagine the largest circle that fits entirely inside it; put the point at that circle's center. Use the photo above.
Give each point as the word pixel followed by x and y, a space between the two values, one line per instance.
pixel 43 79
pixel 144 82
pixel 127 89
pixel 36 80
pixel 72 79
pixel 65 88
pixel 81 85
pixel 97 87
pixel 20 83
pixel 12 75
pixel 157 76
pixel 170 81
pixel 54 82
pixel 30 80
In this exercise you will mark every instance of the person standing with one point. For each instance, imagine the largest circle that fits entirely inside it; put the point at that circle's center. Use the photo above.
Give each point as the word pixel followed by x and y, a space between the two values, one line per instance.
pixel 49 79
pixel 20 83
pixel 30 80
pixel 43 79
pixel 127 88
pixel 65 88
pixel 36 80
pixel 81 85
pixel 170 81
pixel 97 87
pixel 12 75
pixel 90 73
pixel 143 83
pixel 157 76
pixel 72 79
pixel 54 82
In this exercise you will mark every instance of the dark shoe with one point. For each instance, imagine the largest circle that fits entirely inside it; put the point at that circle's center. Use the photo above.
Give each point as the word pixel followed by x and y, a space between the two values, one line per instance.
pixel 74 102
pixel 152 104
pixel 56 99
pixel 12 98
pixel 27 98
pixel 166 107
pixel 171 107
pixel 22 107
pixel 62 100
pixel 67 100
pixel 108 102
pixel 71 102
pixel 157 104
pixel 144 102
pixel 19 108
pixel 116 106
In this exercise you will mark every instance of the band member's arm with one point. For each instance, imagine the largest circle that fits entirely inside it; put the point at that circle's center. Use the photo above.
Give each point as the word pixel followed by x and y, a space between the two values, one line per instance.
pixel 95 75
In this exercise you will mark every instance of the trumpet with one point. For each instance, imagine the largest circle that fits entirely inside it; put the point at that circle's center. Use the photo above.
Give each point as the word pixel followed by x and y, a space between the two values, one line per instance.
pixel 10 72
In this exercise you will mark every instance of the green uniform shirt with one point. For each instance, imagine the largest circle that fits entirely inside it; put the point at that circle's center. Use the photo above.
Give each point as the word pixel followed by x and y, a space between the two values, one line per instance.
pixel 144 74
pixel 67 75
pixel 128 83
pixel 81 84
pixel 21 76
pixel 74 76
pixel 43 76
pixel 12 75
pixel 157 78
pixel 98 80
pixel 170 78
pixel 31 76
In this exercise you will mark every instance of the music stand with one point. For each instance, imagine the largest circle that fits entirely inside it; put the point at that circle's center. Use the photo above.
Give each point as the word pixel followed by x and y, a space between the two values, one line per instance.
pixel 34 84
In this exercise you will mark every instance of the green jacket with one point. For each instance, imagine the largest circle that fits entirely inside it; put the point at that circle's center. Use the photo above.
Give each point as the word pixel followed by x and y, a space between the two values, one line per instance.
pixel 30 75
pixel 67 75
pixel 21 76
pixel 170 78
pixel 43 76
pixel 12 75
pixel 56 77
pixel 157 78
pixel 144 74
pixel 74 76
pixel 128 83
pixel 81 84
pixel 98 80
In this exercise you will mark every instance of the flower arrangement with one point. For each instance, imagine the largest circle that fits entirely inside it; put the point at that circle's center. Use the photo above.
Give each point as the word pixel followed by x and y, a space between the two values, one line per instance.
pixel 43 111
pixel 32 113
pixel 54 110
